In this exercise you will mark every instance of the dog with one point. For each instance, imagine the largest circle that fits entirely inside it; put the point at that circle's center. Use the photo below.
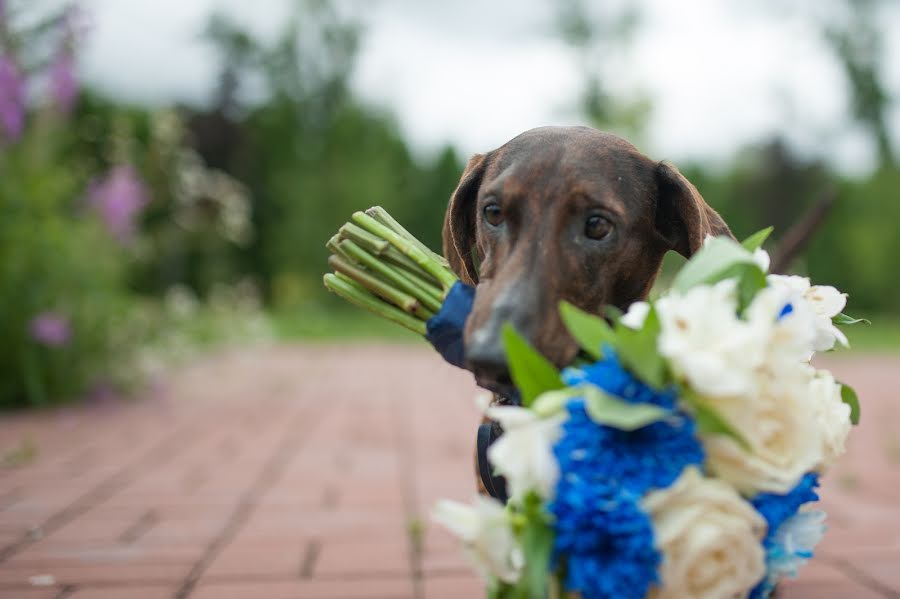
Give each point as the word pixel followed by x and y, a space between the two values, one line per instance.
pixel 561 213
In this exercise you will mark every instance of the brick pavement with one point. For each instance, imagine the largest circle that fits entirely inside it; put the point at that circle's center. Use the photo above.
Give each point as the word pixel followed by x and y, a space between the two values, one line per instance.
pixel 306 472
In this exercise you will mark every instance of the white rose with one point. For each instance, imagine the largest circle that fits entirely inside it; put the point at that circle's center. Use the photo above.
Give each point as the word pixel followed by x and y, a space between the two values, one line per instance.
pixel 706 343
pixel 524 453
pixel 789 325
pixel 636 315
pixel 824 301
pixel 779 425
pixel 486 534
pixel 832 416
pixel 710 539
pixel 762 259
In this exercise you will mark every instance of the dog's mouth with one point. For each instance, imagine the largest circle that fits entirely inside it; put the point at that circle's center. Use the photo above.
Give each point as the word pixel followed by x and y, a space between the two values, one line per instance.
pixel 502 386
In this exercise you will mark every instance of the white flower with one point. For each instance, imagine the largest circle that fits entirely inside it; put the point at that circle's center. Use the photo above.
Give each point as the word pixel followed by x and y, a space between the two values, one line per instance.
pixel 779 424
pixel 793 544
pixel 706 343
pixel 788 323
pixel 761 258
pixel 487 536
pixel 710 539
pixel 832 416
pixel 824 301
pixel 524 453
pixel 636 315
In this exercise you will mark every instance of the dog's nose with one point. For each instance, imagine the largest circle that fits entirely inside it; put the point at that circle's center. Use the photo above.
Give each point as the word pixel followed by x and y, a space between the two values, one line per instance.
pixel 487 361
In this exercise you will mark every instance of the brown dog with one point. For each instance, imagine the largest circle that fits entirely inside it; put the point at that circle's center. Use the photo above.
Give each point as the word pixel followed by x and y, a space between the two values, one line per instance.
pixel 563 213
pixel 560 213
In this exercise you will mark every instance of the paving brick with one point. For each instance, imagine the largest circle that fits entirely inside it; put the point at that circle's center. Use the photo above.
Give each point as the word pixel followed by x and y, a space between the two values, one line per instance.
pixel 262 559
pixel 12 574
pixel 361 558
pixel 379 588
pixel 124 592
pixel 454 587
pixel 20 593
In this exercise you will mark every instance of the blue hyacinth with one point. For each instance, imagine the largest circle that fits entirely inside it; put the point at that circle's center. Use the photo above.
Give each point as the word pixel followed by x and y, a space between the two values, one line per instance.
pixel 648 458
pixel 609 374
pixel 604 538
pixel 777 509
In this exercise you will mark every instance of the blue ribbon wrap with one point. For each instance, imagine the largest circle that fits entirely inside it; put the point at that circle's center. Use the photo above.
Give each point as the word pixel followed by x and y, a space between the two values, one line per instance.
pixel 445 329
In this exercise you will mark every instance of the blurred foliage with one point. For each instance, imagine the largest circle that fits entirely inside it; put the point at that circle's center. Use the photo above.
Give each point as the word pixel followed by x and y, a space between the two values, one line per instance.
pixel 311 152
pixel 230 204
pixel 55 258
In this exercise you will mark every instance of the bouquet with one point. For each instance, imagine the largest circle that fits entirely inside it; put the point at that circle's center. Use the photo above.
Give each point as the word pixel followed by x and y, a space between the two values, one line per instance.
pixel 679 456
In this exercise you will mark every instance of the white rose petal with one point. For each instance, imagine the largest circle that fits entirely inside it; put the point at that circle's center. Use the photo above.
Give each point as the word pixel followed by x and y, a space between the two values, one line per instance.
pixel 832 417
pixel 762 259
pixel 636 315
pixel 823 301
pixel 710 539
pixel 791 334
pixel 524 453
pixel 486 534
pixel 706 343
pixel 780 426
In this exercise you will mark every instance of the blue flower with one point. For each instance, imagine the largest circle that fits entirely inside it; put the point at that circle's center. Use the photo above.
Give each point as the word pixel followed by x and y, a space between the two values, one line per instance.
pixel 605 540
pixel 790 548
pixel 648 458
pixel 780 513
pixel 778 508
pixel 609 375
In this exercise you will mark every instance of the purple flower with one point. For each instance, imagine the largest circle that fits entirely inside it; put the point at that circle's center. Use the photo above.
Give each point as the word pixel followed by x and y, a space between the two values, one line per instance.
pixel 119 199
pixel 63 86
pixel 50 329
pixel 12 99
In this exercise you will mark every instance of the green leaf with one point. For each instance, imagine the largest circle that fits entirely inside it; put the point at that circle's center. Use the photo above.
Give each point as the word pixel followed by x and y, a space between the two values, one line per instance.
pixel 497 589
pixel 537 545
pixel 532 373
pixel 844 319
pixel 606 409
pixel 750 278
pixel 710 422
pixel 552 402
pixel 849 397
pixel 756 240
pixel 638 351
pixel 591 332
pixel 718 255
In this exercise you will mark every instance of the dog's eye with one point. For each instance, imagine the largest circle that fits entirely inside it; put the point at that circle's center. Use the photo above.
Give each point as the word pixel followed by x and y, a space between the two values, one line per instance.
pixel 597 227
pixel 493 214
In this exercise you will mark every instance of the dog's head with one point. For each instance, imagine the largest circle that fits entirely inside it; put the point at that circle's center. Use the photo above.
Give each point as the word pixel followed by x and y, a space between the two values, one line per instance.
pixel 562 213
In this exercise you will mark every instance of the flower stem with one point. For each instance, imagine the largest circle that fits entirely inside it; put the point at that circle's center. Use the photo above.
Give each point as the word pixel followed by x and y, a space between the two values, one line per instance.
pixel 381 215
pixel 405 302
pixel 394 276
pixel 356 294
pixel 364 239
pixel 411 250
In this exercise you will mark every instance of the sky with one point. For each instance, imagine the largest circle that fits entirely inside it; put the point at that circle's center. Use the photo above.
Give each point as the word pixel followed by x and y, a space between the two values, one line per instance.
pixel 720 73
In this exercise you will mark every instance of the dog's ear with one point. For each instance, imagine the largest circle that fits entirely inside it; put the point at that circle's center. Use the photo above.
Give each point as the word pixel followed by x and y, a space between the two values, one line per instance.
pixel 682 215
pixel 459 222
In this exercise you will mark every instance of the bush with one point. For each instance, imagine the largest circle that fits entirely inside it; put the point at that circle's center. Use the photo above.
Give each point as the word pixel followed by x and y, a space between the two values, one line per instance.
pixel 62 296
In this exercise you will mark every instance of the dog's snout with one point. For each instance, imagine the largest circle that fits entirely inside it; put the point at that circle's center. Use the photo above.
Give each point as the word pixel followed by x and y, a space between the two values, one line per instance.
pixel 487 360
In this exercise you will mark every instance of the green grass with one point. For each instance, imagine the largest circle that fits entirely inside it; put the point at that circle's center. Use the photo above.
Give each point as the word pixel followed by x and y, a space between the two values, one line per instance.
pixel 316 323
pixel 882 336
